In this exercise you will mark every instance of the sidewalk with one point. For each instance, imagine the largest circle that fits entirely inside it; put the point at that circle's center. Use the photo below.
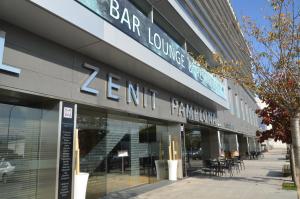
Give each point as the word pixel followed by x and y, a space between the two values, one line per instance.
pixel 261 180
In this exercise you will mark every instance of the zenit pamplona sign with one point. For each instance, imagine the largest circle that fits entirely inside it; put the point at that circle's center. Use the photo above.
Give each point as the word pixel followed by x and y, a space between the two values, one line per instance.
pixel 123 15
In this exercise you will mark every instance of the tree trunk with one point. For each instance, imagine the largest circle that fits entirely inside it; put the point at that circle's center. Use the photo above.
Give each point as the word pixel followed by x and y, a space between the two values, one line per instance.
pixel 292 164
pixel 295 131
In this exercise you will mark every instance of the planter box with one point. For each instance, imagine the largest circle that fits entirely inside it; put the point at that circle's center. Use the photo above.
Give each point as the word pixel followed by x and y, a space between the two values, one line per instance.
pixel 172 165
pixel 161 169
pixel 80 185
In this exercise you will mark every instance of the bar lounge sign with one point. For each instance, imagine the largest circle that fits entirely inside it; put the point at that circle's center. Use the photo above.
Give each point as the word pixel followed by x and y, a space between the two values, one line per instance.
pixel 124 15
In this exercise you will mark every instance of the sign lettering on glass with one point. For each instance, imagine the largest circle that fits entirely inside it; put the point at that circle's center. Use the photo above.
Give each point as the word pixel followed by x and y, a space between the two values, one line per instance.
pixel 131 21
pixel 4 67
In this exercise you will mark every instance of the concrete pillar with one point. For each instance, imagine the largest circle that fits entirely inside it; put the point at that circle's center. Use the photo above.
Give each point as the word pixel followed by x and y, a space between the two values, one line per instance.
pixel 211 144
pixel 258 145
pixel 232 141
pixel 237 142
pixel 214 144
pixel 243 145
pixel 205 145
pixel 248 145
pixel 252 144
pixel 220 143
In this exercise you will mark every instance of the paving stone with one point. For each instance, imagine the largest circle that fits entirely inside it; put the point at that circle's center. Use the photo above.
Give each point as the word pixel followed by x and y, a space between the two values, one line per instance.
pixel 262 179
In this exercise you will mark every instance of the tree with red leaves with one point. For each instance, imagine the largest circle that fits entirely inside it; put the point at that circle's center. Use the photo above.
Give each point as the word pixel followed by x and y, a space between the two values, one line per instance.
pixel 279 120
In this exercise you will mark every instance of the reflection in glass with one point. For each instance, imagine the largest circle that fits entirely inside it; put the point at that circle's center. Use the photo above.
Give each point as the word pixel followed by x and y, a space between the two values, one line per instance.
pixel 120 152
pixel 194 149
pixel 22 171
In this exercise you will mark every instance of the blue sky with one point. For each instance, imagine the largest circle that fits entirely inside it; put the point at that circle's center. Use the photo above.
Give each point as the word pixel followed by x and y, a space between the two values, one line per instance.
pixel 256 9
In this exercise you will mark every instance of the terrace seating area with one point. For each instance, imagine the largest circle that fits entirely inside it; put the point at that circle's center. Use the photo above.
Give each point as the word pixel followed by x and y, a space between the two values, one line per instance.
pixel 223 166
pixel 254 155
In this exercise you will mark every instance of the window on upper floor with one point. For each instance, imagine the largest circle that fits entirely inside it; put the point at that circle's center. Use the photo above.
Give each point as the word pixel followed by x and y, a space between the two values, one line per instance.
pixel 192 51
pixel 242 109
pixel 142 6
pixel 258 121
pixel 230 101
pixel 160 21
pixel 247 113
pixel 251 116
pixel 237 107
pixel 254 120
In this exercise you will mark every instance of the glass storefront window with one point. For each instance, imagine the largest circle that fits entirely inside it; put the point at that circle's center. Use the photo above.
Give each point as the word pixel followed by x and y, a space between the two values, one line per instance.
pixel 27 163
pixel 121 151
pixel 229 144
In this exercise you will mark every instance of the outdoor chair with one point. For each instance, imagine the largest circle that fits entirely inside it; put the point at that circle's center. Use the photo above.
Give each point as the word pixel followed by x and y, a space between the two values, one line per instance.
pixel 241 162
pixel 235 164
pixel 253 155
pixel 208 167
pixel 215 166
pixel 259 154
pixel 248 156
pixel 225 165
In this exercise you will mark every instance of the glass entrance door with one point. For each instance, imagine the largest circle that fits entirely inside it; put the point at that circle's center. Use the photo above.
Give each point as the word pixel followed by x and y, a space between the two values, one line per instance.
pixel 194 150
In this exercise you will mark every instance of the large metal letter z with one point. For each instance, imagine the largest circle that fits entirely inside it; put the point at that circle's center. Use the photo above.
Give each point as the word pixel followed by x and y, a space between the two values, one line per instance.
pixel 85 87
pixel 4 67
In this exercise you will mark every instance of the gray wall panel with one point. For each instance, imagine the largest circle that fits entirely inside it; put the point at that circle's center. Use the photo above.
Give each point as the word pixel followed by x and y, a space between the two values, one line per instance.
pixel 59 73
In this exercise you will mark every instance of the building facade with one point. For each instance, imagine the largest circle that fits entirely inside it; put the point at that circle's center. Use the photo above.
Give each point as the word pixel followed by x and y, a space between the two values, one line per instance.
pixel 123 73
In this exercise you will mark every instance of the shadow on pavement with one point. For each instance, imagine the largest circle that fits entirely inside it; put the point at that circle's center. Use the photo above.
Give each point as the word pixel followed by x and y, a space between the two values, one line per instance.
pixel 138 190
pixel 120 195
pixel 281 159
pixel 275 174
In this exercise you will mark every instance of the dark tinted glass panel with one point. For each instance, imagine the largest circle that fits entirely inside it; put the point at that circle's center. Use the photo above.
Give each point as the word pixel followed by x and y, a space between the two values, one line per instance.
pixel 92 143
pixel 167 27
pixel 142 6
